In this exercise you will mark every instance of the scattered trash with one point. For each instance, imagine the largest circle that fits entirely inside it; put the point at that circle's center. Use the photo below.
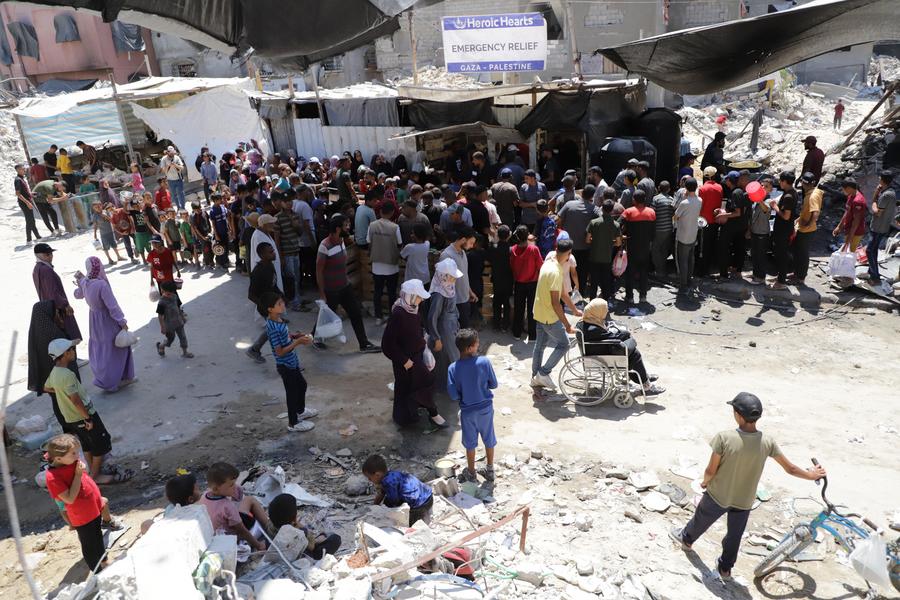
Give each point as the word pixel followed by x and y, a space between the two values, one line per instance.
pixel 648 325
pixel 506 411
pixel 344 452
pixel 348 430
pixel 655 501
pixel 144 465
pixel 762 494
pixel 166 438
pixel 643 480
pixel 283 415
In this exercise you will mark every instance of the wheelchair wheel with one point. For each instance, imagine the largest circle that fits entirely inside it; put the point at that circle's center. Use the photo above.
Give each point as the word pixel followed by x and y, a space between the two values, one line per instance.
pixel 586 381
pixel 623 399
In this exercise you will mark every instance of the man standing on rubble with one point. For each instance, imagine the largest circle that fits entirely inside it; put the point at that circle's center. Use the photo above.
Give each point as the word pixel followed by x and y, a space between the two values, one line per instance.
pixel 838 113
pixel 814 159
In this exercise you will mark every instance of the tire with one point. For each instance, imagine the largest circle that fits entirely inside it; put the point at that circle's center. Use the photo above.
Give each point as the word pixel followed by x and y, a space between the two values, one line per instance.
pixel 792 544
pixel 623 399
pixel 586 381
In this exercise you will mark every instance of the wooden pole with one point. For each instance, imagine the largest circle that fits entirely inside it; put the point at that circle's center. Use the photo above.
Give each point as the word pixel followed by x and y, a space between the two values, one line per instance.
pixel 24 143
pixel 315 81
pixel 412 45
pixel 115 91
pixel 570 33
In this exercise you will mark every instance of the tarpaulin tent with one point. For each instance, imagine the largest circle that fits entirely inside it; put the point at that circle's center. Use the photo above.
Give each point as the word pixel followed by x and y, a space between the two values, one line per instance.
pixel 431 115
pixel 707 59
pixel 198 120
pixel 304 31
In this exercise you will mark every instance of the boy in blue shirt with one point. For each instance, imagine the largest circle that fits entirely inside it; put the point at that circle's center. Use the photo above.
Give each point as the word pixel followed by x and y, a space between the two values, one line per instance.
pixel 286 362
pixel 469 382
pixel 397 487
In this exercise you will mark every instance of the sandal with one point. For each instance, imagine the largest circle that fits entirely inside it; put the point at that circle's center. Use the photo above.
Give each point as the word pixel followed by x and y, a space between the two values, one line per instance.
pixel 122 475
pixel 160 349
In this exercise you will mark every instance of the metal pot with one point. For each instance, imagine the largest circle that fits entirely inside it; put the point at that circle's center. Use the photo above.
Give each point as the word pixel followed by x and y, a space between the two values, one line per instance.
pixel 445 467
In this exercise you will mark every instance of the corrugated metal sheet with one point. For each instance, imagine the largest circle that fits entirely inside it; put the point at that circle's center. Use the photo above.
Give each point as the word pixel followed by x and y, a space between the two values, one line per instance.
pixel 283 136
pixel 136 127
pixel 315 140
pixel 91 123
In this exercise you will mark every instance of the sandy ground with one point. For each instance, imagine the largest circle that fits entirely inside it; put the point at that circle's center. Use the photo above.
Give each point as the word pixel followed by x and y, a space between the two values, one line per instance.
pixel 827 380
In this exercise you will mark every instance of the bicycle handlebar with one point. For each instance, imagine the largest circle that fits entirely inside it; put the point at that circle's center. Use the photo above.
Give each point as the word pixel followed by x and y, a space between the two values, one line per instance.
pixel 824 482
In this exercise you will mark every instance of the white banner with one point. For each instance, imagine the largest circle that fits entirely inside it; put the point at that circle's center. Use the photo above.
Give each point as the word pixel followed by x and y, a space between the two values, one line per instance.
pixel 495 43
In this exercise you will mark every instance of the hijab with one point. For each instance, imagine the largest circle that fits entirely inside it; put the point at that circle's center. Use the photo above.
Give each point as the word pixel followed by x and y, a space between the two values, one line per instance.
pixel 444 284
pixel 93 267
pixel 596 311
pixel 407 301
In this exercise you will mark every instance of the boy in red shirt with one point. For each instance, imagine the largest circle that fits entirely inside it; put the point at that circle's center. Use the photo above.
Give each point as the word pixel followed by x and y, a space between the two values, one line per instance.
pixel 163 199
pixel 68 482
pixel 525 261
pixel 161 260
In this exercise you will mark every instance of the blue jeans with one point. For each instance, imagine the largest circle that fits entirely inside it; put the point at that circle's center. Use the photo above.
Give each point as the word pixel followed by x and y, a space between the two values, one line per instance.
pixel 176 186
pixel 553 335
pixel 292 268
pixel 872 254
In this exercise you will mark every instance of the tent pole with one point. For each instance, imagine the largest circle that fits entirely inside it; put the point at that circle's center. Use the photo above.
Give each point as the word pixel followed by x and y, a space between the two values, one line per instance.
pixel 24 143
pixel 315 80
pixel 412 45
pixel 119 110
pixel 570 33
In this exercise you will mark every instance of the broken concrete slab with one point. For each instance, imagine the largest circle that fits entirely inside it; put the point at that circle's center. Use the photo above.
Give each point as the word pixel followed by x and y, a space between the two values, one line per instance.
pixel 226 547
pixel 832 91
pixel 356 485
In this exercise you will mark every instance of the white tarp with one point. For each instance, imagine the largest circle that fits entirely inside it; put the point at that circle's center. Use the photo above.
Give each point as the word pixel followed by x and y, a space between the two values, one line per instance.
pixel 218 118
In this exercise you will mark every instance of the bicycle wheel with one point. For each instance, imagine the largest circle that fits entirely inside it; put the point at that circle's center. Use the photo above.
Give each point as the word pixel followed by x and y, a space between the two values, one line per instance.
pixel 585 381
pixel 792 544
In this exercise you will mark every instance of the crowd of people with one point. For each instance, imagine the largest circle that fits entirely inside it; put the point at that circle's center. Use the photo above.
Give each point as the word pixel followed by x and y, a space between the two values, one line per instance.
pixel 556 253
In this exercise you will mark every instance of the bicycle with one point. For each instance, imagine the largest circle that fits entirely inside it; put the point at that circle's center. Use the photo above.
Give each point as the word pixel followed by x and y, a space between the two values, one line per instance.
pixel 832 521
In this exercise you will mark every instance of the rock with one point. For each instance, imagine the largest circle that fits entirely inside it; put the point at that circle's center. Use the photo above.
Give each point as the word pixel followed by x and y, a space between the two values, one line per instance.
pixel 356 485
pixel 584 567
pixel 643 480
pixel 352 589
pixel 752 344
pixel 634 515
pixel 675 493
pixel 314 451
pixel 593 585
pixel 575 593
pixel 617 473
pixel 585 495
pixel 531 572
pixel 327 562
pixel 317 577
pixel 663 585
pixel 655 501
pixel 39 544
pixel 565 573
pixel 584 522
pixel 537 453
pixel 633 589
pixel 344 453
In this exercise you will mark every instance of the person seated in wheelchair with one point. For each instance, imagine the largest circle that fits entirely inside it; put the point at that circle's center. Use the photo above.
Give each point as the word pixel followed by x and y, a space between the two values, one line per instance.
pixel 598 337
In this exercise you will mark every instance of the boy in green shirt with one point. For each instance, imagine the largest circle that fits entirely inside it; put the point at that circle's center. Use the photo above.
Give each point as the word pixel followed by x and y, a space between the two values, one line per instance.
pixel 76 408
pixel 731 479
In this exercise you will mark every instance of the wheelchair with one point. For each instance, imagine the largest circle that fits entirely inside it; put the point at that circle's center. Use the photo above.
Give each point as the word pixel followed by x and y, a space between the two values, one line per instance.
pixel 593 379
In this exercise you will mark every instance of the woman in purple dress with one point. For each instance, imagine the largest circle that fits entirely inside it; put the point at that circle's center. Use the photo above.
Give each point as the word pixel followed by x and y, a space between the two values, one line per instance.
pixel 403 343
pixel 113 367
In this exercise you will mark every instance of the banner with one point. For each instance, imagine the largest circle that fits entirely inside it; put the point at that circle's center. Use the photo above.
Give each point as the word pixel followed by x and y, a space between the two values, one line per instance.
pixel 495 43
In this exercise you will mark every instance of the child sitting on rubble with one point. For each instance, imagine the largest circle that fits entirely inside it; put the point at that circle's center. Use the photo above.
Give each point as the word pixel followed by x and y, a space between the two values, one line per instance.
pixel 469 382
pixel 397 487
pixel 68 481
pixel 230 510
pixel 181 490
pixel 283 513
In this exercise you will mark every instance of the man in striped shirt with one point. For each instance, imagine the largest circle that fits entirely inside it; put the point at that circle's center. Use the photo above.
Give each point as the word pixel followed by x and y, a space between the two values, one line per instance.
pixel 664 205
pixel 334 287
pixel 90 162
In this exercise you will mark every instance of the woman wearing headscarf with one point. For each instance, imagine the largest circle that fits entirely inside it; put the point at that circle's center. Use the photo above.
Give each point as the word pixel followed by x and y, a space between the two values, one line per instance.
pixel 595 328
pixel 356 161
pixel 107 194
pixel 403 343
pixel 442 323
pixel 45 327
pixel 113 367
pixel 235 179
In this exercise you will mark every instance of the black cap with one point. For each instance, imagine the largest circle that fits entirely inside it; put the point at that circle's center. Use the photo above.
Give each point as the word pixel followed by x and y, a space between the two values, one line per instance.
pixel 530 173
pixel 747 405
pixel 808 178
pixel 850 182
pixel 43 248
pixel 887 175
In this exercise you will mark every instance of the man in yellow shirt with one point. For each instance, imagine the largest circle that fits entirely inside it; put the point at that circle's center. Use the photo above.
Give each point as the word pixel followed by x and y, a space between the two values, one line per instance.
pixel 552 324
pixel 806 225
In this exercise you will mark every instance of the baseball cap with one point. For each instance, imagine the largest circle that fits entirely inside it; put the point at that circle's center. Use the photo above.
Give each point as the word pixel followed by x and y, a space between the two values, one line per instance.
pixel 313 159
pixel 266 219
pixel 710 171
pixel 633 162
pixel 59 346
pixel 512 148
pixel 457 208
pixel 448 267
pixel 644 164
pixel 571 172
pixel 156 239
pixel 735 175
pixel 504 173
pixel 414 286
pixel 170 149
pixel 887 175
pixel 43 248
pixel 747 405
pixel 808 177
pixel 810 138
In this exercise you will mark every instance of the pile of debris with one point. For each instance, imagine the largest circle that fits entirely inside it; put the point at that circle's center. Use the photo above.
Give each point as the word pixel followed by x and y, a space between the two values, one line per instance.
pixel 438 77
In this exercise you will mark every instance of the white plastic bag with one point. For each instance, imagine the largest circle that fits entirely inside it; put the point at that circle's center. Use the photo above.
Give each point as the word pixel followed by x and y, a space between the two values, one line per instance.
pixel 620 263
pixel 31 424
pixel 869 559
pixel 842 264
pixel 328 324
pixel 125 338
pixel 428 359
pixel 154 294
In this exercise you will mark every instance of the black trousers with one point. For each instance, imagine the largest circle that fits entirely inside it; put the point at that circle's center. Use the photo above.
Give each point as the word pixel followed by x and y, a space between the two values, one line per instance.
pixel 758 251
pixel 384 283
pixel 582 267
pixel 182 337
pixel 636 275
pixel 346 298
pixel 502 304
pixel 727 239
pixel 465 314
pixel 707 513
pixel 126 239
pixel 707 251
pixel 601 275
pixel 801 254
pixel 739 249
pixel 294 392
pixel 48 215
pixel 636 364
pixel 419 513
pixel 330 545
pixel 523 308
pixel 307 266
pixel 782 258
pixel 29 221
pixel 90 536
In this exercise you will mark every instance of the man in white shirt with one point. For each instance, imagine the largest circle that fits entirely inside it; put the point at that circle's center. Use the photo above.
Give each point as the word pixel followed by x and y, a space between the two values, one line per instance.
pixel 172 167
pixel 686 227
